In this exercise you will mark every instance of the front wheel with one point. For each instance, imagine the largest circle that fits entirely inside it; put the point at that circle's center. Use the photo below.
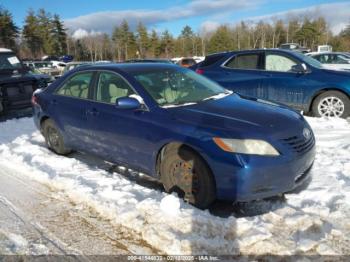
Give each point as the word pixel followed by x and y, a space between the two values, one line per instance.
pixel 183 171
pixel 53 138
pixel 331 104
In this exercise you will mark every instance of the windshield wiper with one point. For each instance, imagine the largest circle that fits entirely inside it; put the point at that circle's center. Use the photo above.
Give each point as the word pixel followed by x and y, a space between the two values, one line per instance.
pixel 180 104
pixel 218 96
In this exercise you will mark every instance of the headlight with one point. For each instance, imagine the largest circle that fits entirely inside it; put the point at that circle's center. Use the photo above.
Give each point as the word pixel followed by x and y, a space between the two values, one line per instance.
pixel 246 146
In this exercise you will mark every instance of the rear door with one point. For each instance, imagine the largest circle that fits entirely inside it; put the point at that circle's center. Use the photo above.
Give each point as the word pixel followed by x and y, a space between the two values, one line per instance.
pixel 68 108
pixel 242 73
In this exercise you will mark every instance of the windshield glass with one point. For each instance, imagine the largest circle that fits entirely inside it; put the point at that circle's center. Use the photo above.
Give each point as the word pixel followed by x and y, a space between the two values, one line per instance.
pixel 9 61
pixel 177 86
pixel 309 60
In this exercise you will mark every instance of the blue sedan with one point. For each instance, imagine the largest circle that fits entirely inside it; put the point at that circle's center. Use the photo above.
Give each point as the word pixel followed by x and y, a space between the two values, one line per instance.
pixel 199 139
pixel 282 76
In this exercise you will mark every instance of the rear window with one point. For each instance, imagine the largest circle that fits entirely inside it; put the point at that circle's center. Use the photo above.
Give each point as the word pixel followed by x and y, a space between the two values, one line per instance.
pixel 246 61
pixel 188 62
pixel 9 61
pixel 212 59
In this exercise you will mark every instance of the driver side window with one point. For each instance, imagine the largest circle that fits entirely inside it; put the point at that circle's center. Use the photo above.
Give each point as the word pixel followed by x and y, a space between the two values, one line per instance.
pixel 279 63
pixel 110 87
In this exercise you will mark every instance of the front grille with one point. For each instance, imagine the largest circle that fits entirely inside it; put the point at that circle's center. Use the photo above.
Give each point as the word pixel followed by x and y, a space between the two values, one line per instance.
pixel 299 144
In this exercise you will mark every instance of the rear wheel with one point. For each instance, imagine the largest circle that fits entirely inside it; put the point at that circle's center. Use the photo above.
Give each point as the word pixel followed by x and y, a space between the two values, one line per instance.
pixel 331 104
pixel 53 138
pixel 183 171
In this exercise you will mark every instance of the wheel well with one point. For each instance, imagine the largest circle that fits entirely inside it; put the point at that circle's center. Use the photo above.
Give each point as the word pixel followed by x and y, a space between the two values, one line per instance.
pixel 323 91
pixel 162 149
pixel 42 120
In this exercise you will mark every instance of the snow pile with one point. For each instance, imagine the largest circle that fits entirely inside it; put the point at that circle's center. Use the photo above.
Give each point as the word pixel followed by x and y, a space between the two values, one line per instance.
pixel 170 205
pixel 316 220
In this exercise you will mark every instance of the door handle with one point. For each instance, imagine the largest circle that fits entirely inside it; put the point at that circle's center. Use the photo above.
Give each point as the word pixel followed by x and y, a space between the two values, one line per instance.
pixel 93 112
pixel 54 102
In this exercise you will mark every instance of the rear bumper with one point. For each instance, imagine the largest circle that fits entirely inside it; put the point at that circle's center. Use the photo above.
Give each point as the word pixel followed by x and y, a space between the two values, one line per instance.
pixel 16 96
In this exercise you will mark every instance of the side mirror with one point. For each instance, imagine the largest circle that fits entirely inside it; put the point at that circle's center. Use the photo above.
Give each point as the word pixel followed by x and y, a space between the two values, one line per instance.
pixel 127 103
pixel 299 68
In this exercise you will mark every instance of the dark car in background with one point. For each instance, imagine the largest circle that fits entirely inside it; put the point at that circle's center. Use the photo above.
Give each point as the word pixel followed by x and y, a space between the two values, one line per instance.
pixel 197 138
pixel 16 83
pixel 282 76
pixel 186 62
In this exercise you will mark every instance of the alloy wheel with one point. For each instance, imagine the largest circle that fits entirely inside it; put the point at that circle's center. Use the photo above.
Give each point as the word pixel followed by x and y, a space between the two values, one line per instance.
pixel 331 107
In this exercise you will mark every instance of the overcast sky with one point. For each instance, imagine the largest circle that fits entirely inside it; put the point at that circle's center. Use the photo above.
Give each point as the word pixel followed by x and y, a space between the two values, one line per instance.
pixel 82 17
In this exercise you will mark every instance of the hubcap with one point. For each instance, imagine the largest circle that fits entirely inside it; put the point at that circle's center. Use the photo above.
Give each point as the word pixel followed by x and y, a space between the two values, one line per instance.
pixel 331 107
pixel 184 177
pixel 53 138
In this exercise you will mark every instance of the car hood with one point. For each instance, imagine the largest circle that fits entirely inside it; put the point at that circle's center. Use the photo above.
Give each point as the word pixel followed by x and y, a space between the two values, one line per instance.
pixel 343 73
pixel 234 113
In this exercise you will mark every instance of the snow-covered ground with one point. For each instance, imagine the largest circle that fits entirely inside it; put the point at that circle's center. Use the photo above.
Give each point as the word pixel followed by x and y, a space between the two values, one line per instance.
pixel 313 221
pixel 36 219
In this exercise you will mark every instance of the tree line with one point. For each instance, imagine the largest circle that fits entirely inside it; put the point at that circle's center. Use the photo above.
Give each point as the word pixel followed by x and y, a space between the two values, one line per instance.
pixel 44 33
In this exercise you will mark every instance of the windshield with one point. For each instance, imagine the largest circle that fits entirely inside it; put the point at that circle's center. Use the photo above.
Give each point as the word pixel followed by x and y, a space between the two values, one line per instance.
pixel 177 86
pixel 9 61
pixel 309 60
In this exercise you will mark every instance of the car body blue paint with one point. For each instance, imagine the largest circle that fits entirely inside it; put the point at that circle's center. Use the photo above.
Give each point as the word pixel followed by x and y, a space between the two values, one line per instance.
pixel 135 137
pixel 294 89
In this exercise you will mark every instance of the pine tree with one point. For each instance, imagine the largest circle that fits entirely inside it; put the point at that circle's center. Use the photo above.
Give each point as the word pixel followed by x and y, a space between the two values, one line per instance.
pixel 45 29
pixel 8 29
pixel 128 41
pixel 221 40
pixel 117 39
pixel 187 38
pixel 154 44
pixel 59 36
pixel 142 40
pixel 31 34
pixel 167 43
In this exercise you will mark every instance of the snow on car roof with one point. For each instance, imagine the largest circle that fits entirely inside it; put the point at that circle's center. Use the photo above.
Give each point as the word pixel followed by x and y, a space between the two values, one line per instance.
pixel 3 50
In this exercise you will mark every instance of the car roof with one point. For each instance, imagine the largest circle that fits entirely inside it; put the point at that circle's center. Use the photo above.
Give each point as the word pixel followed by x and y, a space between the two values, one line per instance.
pixel 327 53
pixel 128 67
pixel 5 50
pixel 254 50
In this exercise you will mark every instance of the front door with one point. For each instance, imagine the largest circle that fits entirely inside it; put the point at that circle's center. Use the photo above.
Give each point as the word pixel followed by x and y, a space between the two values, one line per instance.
pixel 282 84
pixel 120 135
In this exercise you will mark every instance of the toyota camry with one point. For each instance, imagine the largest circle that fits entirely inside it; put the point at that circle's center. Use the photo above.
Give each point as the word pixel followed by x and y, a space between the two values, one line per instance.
pixel 200 140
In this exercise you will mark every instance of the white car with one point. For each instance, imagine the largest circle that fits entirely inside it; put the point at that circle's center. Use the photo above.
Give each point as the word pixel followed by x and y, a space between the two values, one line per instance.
pixel 332 60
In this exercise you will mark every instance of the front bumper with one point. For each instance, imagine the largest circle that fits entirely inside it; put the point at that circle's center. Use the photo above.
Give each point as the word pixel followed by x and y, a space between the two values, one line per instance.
pixel 259 177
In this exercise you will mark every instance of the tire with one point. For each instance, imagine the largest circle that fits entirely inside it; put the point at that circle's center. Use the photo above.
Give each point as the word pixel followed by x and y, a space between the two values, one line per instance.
pixel 53 138
pixel 183 171
pixel 331 104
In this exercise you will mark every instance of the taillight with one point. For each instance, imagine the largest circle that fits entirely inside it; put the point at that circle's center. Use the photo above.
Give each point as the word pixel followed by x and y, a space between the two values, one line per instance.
pixel 35 100
pixel 200 71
